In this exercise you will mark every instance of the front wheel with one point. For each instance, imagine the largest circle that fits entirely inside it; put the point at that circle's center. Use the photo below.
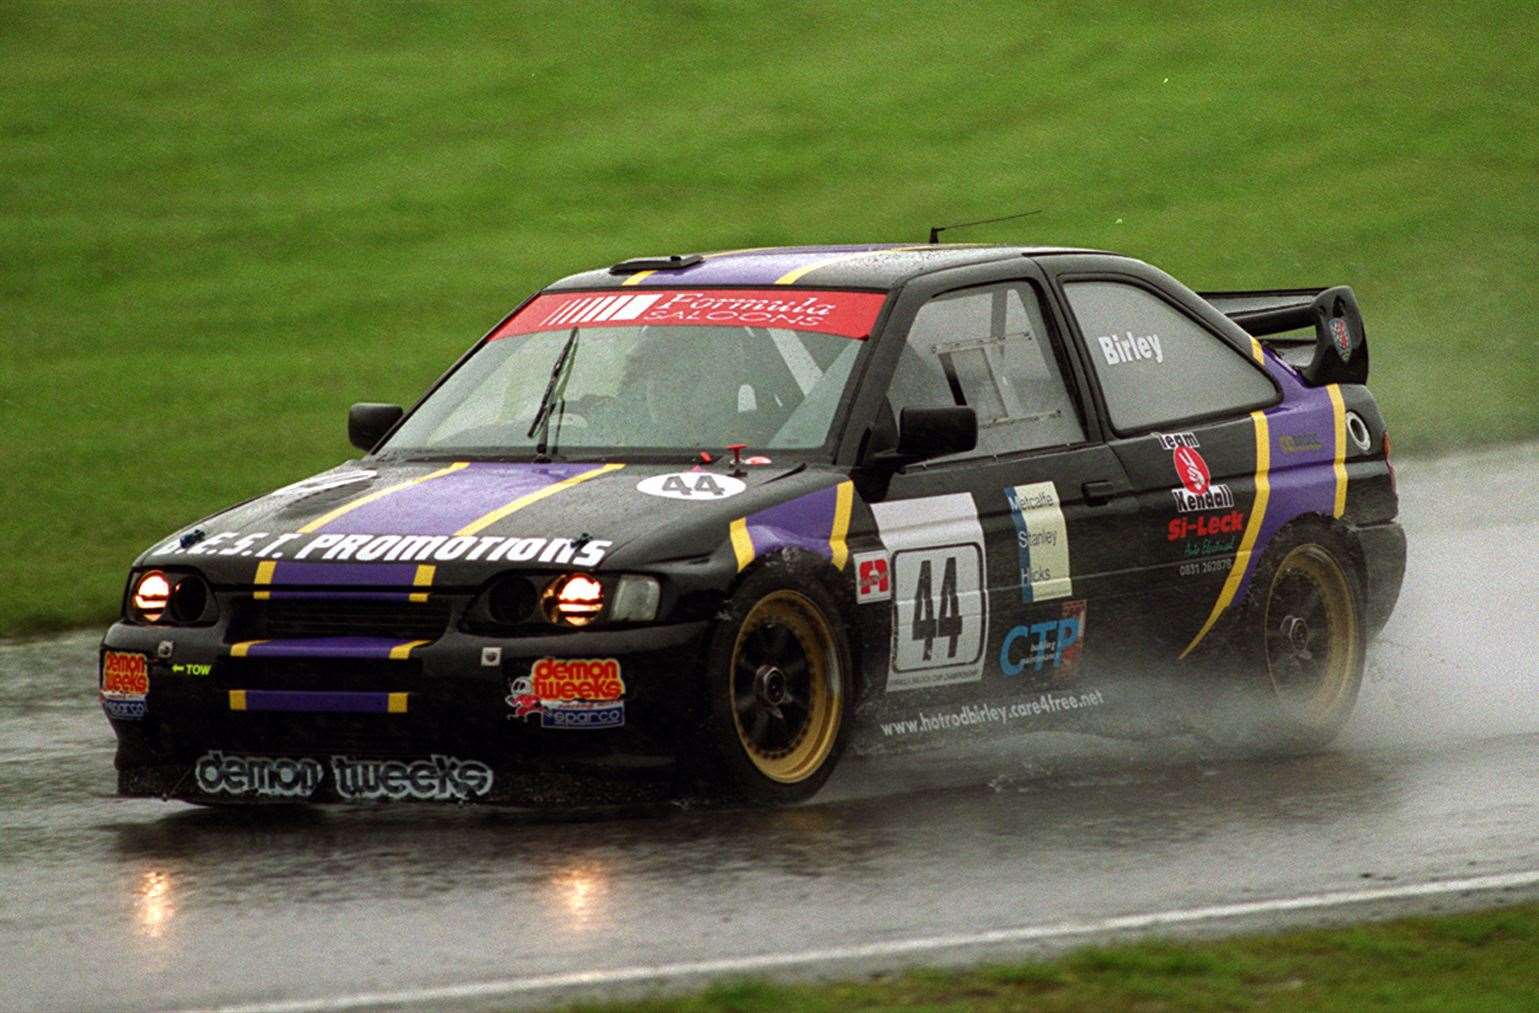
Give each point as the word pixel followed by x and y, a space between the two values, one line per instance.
pixel 779 677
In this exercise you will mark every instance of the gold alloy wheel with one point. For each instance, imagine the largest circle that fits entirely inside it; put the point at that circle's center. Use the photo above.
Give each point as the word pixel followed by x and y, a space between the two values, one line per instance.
pixel 786 687
pixel 1311 635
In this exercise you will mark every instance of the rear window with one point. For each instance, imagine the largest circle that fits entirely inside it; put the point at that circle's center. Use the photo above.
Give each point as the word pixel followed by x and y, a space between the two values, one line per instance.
pixel 1156 364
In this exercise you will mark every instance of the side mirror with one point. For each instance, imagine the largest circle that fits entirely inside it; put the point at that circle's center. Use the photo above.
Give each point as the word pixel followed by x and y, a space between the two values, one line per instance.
pixel 925 433
pixel 368 423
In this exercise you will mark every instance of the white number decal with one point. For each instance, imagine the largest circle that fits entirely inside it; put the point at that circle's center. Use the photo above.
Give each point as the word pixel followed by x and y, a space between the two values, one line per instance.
pixel 939 606
pixel 694 485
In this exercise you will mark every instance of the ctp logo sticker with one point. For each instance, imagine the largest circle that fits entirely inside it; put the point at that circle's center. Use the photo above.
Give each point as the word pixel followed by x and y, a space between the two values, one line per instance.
pixel 873 578
pixel 693 485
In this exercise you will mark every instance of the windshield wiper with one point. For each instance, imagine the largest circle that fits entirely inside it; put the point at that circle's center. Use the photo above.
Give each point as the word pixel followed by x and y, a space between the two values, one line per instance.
pixel 558 376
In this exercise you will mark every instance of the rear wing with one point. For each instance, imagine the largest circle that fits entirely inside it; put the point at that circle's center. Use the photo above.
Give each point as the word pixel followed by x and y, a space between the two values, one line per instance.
pixel 1340 345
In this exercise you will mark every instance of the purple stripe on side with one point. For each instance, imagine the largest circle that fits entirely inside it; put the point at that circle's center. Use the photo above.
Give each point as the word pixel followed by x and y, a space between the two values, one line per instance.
pixel 295 574
pixel 754 268
pixel 1301 482
pixel 326 647
pixel 444 505
pixel 317 703
pixel 805 522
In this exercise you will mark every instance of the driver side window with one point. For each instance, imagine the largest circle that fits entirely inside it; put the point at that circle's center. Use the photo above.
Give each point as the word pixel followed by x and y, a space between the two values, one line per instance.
pixel 988 348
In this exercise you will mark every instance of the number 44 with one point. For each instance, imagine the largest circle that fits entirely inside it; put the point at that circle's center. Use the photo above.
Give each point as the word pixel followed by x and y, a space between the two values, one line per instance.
pixel 947 621
pixel 702 484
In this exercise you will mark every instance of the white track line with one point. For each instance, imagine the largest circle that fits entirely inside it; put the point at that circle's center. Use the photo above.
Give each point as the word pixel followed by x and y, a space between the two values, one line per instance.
pixel 889 948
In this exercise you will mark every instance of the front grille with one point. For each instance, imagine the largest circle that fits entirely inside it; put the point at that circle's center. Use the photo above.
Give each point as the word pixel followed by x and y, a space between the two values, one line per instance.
pixel 334 675
pixel 311 617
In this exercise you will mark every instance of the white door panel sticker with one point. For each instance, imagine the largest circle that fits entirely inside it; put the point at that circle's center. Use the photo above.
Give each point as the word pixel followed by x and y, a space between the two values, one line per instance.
pixel 1042 539
pixel 940 606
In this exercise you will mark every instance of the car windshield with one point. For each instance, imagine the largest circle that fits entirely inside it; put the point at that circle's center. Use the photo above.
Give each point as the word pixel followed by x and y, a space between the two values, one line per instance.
pixel 698 378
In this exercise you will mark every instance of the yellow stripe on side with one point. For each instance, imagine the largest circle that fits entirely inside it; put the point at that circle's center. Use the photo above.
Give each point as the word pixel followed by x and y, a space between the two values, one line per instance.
pixel 1252 530
pixel 1339 417
pixel 424 578
pixel 264 575
pixel 742 543
pixel 844 497
pixel 1256 352
pixel 349 507
pixel 487 520
pixel 400 652
pixel 237 699
pixel 239 650
pixel 638 278
pixel 397 703
pixel 792 277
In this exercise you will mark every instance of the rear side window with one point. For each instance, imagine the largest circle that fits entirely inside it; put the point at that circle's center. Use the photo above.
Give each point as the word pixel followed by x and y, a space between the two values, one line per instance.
pixel 988 348
pixel 1157 365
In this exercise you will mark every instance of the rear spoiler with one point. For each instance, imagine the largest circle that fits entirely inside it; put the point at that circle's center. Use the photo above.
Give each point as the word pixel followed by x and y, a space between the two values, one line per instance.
pixel 1341 346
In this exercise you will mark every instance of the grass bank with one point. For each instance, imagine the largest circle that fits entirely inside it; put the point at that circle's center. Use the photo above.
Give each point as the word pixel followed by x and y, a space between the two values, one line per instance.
pixel 220 225
pixel 1485 961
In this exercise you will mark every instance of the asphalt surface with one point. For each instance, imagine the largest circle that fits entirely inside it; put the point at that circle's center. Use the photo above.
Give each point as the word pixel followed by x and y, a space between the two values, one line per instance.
pixel 1427 803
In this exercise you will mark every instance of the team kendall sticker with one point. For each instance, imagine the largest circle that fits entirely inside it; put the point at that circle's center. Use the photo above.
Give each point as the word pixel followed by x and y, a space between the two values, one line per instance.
pixel 1198 490
pixel 849 314
pixel 699 486
pixel 571 693
pixel 125 684
pixel 394 548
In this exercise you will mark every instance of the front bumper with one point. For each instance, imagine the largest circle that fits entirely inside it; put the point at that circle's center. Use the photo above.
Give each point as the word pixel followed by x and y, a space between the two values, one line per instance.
pixel 361 719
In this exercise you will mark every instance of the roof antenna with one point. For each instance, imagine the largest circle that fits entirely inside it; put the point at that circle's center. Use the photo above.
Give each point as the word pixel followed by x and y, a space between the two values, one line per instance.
pixel 936 230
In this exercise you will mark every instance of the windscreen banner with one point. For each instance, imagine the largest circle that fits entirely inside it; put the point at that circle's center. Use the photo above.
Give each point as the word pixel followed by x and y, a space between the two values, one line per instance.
pixel 848 314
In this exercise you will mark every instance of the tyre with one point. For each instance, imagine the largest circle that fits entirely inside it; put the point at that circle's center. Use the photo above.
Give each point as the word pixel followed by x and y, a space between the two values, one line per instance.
pixel 1298 651
pixel 779 681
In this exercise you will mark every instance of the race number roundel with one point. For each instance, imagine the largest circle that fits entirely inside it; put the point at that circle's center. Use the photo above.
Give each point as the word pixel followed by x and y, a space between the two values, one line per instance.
pixel 1191 469
pixel 700 486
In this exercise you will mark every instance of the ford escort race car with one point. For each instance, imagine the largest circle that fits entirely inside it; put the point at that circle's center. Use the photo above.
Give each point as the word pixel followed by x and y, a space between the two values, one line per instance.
pixel 718 518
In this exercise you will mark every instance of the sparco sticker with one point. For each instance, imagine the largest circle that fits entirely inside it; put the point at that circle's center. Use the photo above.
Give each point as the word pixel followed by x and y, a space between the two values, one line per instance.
pixel 700 486
pixel 849 314
pixel 575 693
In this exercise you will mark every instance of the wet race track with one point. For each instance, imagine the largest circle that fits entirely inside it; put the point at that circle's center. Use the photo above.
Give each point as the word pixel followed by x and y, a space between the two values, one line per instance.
pixel 1426 803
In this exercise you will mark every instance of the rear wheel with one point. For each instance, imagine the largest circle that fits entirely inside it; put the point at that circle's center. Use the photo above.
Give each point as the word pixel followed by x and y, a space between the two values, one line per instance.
pixel 779 686
pixel 1301 646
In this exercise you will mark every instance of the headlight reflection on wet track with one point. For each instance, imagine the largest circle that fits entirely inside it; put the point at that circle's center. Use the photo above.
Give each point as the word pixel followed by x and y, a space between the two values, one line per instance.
pixel 156 903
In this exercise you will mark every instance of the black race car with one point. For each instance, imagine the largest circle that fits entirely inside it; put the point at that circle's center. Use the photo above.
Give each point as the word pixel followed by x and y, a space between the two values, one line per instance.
pixel 716 518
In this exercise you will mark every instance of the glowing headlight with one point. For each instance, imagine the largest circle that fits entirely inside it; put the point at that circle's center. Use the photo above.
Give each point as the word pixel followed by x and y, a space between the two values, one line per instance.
pixel 151 595
pixel 573 600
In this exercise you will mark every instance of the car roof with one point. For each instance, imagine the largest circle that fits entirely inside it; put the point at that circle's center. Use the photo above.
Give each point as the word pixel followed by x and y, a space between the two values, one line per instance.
pixel 882 266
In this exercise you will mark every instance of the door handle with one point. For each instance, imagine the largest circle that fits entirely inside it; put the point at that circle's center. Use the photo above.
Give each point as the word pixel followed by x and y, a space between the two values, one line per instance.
pixel 1098 491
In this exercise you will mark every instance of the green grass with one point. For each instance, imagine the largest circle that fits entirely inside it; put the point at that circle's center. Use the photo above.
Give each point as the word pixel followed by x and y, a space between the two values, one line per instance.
pixel 220 224
pixel 1485 961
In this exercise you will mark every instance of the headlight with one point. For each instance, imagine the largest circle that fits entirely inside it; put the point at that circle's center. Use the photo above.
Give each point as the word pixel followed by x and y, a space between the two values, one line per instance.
pixel 181 599
pixel 636 599
pixel 573 600
pixel 152 593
